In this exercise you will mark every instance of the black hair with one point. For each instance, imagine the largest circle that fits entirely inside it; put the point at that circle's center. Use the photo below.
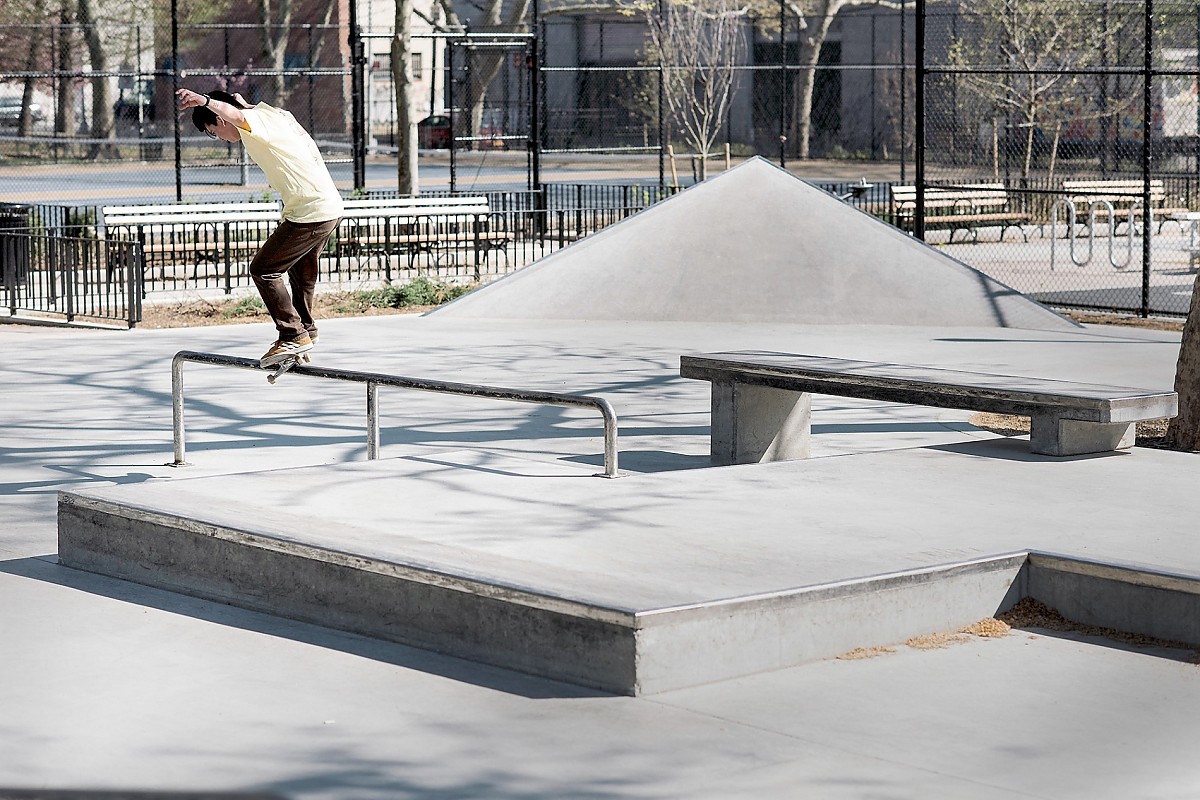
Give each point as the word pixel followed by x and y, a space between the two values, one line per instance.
pixel 203 116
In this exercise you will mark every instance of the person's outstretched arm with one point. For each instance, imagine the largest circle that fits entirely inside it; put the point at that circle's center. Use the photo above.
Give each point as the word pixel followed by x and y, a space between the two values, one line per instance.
pixel 230 113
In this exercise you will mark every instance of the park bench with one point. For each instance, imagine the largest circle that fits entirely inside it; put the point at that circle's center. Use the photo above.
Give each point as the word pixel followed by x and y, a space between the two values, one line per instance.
pixel 193 233
pixel 761 402
pixel 1125 197
pixel 965 208
pixel 415 225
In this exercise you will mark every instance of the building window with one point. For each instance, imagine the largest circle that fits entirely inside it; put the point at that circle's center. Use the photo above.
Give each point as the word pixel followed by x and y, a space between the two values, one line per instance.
pixel 417 66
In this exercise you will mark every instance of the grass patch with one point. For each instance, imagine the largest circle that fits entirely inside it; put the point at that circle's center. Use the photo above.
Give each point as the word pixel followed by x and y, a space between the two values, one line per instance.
pixel 418 295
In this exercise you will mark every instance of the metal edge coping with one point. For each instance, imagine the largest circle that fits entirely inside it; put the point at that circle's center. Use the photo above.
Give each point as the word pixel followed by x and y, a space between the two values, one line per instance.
pixel 406 571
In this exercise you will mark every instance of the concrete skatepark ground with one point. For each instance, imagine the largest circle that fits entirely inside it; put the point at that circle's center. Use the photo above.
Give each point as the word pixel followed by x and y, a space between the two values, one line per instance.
pixel 108 685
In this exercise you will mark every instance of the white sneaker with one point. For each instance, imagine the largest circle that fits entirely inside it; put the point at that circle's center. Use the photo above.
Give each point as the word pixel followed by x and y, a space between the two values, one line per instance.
pixel 281 351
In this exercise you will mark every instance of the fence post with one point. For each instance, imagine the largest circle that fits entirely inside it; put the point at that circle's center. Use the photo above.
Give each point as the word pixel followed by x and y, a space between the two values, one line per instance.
pixel 1147 132
pixel 919 113
pixel 175 99
pixel 358 148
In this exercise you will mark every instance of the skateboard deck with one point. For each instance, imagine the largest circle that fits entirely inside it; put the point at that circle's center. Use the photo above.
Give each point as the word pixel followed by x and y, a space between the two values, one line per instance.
pixel 284 366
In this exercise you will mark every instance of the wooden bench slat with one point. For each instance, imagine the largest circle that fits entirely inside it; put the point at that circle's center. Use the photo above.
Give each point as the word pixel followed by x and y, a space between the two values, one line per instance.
pixel 967 207
pixel 208 231
pixel 402 212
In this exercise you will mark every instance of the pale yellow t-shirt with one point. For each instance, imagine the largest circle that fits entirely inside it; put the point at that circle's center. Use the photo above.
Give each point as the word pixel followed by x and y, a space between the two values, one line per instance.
pixel 292 163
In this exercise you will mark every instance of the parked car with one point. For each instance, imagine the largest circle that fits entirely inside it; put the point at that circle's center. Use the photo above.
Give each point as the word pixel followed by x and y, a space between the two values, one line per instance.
pixel 126 106
pixel 10 113
pixel 433 133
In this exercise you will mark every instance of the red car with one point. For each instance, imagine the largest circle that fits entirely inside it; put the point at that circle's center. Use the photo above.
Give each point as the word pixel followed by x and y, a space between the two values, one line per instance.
pixel 433 133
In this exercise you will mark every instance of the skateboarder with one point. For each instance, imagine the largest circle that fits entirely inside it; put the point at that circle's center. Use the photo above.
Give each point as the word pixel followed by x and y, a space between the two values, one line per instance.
pixel 312 209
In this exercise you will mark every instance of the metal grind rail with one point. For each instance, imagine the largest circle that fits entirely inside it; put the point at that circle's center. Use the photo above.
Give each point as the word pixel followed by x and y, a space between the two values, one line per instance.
pixel 374 380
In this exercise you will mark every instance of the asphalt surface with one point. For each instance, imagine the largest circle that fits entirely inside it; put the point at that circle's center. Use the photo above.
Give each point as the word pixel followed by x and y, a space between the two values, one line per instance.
pixel 108 685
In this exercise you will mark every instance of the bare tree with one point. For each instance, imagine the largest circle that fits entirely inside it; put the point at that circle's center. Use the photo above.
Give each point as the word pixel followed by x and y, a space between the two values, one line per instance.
pixel 815 18
pixel 402 77
pixel 103 125
pixel 64 106
pixel 1037 52
pixel 698 43
pixel 1183 433
pixel 274 37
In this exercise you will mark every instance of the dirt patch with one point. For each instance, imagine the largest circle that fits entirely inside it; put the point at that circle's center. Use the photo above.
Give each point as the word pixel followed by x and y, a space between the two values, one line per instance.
pixel 1031 613
pixel 988 628
pixel 933 641
pixel 1100 318
pixel 859 653
pixel 193 313
pixel 1152 433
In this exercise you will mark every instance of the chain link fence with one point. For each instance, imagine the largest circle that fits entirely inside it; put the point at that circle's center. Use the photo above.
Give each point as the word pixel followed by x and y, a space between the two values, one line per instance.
pixel 1050 143
pixel 1061 149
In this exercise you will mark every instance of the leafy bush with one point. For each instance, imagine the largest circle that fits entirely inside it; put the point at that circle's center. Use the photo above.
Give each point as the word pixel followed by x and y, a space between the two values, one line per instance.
pixel 246 307
pixel 418 292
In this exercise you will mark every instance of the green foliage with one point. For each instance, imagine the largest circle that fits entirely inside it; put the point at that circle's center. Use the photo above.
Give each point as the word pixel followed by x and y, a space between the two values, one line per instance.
pixel 418 292
pixel 246 307
pixel 840 153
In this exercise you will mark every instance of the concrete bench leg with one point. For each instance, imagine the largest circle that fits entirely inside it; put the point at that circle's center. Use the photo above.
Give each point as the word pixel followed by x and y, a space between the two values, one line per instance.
pixel 1051 435
pixel 753 424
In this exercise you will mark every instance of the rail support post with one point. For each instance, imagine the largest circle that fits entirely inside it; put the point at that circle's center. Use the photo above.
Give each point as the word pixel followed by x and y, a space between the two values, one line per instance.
pixel 177 411
pixel 372 420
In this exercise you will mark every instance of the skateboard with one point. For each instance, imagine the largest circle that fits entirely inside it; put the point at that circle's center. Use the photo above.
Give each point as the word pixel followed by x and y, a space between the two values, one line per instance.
pixel 284 366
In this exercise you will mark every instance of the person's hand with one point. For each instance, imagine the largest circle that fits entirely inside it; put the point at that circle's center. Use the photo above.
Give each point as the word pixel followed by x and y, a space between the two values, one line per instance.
pixel 241 100
pixel 189 99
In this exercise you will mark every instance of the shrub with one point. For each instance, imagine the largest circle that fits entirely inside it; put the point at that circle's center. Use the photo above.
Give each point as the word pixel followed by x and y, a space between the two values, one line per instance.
pixel 246 307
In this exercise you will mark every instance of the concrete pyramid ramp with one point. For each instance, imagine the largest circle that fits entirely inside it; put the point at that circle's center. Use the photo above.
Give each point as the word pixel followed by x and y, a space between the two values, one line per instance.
pixel 754 244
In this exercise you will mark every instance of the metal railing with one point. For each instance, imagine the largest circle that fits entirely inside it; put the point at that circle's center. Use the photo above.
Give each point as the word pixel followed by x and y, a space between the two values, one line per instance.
pixel 50 274
pixel 374 380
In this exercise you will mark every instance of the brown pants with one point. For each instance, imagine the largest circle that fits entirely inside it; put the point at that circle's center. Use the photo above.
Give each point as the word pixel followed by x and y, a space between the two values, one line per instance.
pixel 293 249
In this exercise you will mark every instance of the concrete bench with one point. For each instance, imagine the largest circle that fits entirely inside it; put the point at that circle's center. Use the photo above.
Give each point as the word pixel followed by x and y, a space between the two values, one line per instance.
pixel 967 208
pixel 762 402
pixel 413 225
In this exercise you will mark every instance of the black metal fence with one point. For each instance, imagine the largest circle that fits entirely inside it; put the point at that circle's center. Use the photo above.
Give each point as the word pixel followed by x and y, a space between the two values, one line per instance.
pixel 52 265
pixel 1001 111
pixel 71 263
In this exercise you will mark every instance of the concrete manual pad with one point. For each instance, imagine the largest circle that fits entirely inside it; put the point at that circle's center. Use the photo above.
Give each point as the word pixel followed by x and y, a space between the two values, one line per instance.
pixel 637 585
pixel 109 685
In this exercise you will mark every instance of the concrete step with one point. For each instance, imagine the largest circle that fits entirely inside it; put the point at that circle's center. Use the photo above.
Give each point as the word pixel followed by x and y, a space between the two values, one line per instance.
pixel 622 635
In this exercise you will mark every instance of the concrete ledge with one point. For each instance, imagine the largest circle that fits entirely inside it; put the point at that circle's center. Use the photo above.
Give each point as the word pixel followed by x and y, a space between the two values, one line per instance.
pixel 761 402
pixel 602 644
pixel 436 611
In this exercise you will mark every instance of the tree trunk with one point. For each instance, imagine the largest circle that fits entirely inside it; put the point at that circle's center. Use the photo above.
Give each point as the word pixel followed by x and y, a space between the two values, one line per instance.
pixel 406 125
pixel 810 55
pixel 1183 433
pixel 486 63
pixel 102 86
pixel 485 66
pixel 64 114
pixel 274 39
pixel 25 122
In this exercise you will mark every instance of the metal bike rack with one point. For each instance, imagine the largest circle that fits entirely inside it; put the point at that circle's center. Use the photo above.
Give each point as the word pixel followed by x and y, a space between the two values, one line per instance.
pixel 374 380
pixel 1113 222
